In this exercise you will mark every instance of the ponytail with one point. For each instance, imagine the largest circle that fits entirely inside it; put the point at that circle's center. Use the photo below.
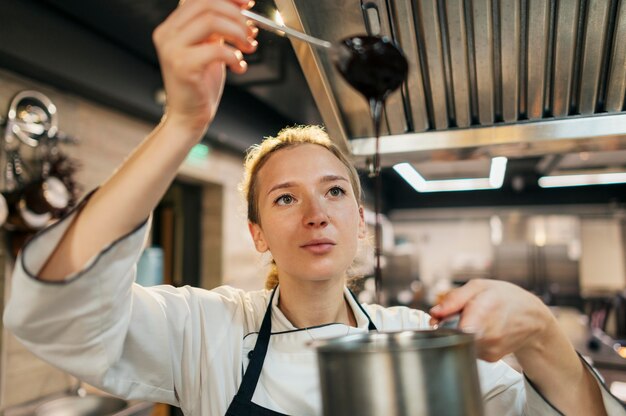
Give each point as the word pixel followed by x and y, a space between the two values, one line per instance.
pixel 271 281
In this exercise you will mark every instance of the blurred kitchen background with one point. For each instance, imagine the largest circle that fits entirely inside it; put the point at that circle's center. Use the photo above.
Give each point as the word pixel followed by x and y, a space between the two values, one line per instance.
pixel 506 101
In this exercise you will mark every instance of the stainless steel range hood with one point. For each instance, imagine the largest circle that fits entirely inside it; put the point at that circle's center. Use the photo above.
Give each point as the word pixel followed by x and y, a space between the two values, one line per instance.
pixel 511 78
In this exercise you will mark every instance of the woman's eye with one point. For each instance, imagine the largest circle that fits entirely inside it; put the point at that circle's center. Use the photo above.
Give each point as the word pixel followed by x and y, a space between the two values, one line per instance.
pixel 284 200
pixel 336 191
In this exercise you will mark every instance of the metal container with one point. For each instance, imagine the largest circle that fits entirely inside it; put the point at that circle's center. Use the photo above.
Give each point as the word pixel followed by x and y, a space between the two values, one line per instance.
pixel 429 372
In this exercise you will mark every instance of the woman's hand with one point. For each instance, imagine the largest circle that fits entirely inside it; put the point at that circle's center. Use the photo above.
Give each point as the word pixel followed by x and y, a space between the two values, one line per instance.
pixel 194 45
pixel 505 318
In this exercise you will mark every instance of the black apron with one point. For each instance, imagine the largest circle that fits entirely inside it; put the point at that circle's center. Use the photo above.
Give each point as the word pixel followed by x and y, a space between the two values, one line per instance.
pixel 242 404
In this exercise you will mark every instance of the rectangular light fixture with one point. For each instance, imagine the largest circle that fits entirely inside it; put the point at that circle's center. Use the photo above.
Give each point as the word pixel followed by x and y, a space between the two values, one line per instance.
pixel 417 181
pixel 557 181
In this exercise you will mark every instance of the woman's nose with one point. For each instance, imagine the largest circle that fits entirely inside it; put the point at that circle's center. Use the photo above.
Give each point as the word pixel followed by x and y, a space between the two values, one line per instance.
pixel 315 215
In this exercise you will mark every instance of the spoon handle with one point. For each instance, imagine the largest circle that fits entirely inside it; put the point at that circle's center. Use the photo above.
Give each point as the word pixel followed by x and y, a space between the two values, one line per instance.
pixel 271 25
pixel 450 322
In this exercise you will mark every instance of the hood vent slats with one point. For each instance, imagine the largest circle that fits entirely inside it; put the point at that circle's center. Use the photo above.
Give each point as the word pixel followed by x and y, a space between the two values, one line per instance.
pixel 476 63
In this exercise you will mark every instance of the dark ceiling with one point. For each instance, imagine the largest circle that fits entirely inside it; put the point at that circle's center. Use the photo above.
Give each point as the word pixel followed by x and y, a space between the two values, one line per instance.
pixel 103 51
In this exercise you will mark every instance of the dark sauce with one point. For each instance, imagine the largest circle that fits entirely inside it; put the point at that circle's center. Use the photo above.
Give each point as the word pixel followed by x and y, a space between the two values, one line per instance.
pixel 375 67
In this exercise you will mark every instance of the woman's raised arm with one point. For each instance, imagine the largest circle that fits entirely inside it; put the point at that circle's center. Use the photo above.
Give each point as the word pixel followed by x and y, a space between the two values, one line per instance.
pixel 195 44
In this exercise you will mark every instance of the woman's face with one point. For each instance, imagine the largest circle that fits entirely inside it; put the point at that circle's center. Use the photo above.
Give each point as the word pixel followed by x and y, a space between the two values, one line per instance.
pixel 309 217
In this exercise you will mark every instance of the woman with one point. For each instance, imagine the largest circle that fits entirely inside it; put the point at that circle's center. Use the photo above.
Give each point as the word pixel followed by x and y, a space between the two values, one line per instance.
pixel 74 302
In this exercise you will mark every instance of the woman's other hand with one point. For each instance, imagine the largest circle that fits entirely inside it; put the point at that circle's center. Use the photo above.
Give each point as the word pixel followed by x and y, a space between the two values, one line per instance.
pixel 507 319
pixel 195 44
pixel 504 317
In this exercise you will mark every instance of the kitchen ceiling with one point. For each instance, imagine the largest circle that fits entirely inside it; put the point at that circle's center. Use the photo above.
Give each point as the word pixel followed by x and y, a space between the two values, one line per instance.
pixel 548 67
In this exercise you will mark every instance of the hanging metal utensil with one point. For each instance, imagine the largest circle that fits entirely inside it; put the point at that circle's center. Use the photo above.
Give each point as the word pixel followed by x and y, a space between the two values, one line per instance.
pixel 5 160
pixel 32 120
pixel 32 117
pixel 14 185
pixel 46 195
pixel 4 210
pixel 4 207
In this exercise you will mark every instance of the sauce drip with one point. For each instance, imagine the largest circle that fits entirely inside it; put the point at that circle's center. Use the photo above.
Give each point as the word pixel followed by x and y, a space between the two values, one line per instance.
pixel 375 67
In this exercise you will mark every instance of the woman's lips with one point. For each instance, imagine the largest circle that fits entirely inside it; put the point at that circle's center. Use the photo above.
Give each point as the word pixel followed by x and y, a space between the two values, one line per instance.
pixel 319 246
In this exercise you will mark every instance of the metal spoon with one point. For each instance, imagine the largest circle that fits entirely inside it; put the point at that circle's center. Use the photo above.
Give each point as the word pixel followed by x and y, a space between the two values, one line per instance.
pixel 281 30
pixel 373 65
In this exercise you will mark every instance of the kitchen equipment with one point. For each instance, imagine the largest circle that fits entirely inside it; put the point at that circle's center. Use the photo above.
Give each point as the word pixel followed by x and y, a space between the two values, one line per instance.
pixel 90 405
pixel 28 203
pixel 269 24
pixel 33 199
pixel 520 79
pixel 4 210
pixel 40 199
pixel 47 194
pixel 426 372
pixel 14 183
pixel 31 118
pixel 373 65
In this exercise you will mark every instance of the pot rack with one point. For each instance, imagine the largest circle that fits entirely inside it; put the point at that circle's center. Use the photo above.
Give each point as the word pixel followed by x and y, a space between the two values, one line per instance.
pixel 31 123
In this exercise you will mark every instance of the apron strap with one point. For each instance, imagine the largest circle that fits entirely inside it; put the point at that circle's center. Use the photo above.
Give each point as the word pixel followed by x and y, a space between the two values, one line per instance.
pixel 371 325
pixel 253 372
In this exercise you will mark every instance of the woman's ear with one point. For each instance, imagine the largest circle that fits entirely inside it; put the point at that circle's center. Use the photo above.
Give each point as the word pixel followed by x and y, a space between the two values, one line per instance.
pixel 257 236
pixel 362 225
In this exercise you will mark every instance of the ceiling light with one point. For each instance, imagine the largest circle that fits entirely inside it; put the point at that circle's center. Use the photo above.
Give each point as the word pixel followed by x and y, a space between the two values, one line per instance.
pixel 557 181
pixel 497 171
pixel 417 181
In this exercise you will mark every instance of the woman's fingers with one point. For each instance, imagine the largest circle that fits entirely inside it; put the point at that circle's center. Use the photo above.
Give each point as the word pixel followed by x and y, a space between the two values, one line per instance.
pixel 476 317
pixel 455 300
pixel 193 45
pixel 193 63
pixel 253 31
pixel 474 301
pixel 502 316
pixel 188 10
pixel 200 56
pixel 205 29
pixel 210 26
pixel 199 21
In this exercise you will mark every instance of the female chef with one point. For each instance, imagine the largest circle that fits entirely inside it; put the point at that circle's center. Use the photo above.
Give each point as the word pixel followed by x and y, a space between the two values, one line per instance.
pixel 74 302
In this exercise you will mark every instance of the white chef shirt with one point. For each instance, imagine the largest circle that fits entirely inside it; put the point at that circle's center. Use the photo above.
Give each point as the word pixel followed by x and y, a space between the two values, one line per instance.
pixel 188 346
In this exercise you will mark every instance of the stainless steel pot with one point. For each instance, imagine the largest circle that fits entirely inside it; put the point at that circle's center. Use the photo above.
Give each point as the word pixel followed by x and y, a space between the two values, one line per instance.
pixel 429 372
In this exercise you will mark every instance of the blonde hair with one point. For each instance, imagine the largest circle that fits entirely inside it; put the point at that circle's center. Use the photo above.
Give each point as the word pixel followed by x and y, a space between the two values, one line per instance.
pixel 258 154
